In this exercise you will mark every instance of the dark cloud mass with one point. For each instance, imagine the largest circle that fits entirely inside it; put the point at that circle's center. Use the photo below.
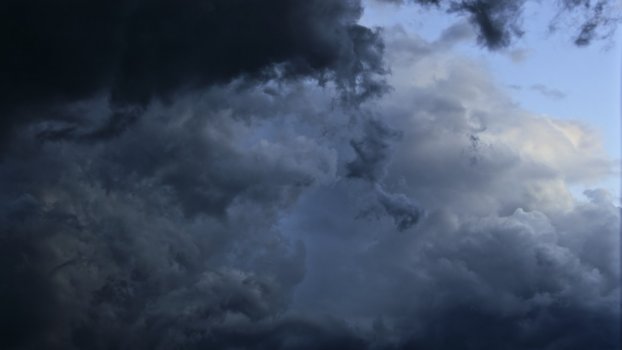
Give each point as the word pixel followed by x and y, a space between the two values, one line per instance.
pixel 239 175
pixel 136 51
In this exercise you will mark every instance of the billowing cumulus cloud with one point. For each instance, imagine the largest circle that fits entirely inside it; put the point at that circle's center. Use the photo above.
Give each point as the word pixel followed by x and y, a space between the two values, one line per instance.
pixel 506 256
pixel 231 202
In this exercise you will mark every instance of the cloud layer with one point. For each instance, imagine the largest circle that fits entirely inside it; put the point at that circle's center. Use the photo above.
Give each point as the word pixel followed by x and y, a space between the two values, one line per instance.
pixel 134 52
pixel 230 201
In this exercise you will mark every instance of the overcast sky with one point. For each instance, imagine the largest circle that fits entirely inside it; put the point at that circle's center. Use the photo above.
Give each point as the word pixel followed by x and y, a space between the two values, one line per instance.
pixel 378 174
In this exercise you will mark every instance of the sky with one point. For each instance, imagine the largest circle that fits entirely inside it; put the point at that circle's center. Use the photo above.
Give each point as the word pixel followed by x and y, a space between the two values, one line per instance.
pixel 326 174
pixel 583 86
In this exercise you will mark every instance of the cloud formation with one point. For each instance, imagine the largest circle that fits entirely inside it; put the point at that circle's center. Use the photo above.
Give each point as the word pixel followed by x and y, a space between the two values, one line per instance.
pixel 134 52
pixel 244 205
pixel 499 22
pixel 548 92
pixel 506 256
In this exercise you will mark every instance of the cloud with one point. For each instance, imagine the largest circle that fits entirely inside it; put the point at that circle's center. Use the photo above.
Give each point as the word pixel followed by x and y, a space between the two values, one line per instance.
pixel 145 232
pixel 505 255
pixel 460 31
pixel 134 52
pixel 496 22
pixel 598 19
pixel 548 92
pixel 499 22
pixel 372 152
pixel 372 158
pixel 518 55
pixel 402 209
pixel 259 211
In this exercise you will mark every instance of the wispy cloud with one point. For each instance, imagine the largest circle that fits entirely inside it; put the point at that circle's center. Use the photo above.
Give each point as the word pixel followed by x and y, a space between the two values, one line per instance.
pixel 548 91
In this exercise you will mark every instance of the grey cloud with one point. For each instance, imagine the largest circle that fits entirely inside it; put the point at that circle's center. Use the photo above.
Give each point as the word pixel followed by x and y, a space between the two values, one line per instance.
pixel 503 258
pixel 499 22
pixel 153 238
pixel 600 19
pixel 402 209
pixel 373 153
pixel 548 92
pixel 293 332
pixel 485 282
pixel 438 118
pixel 518 55
pixel 496 22
pixel 168 235
pixel 458 32
pixel 232 217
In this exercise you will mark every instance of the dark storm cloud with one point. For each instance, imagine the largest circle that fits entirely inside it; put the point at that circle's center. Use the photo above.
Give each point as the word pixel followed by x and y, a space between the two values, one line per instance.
pixel 512 282
pixel 228 215
pixel 152 239
pixel 288 334
pixel 136 51
pixel 167 235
